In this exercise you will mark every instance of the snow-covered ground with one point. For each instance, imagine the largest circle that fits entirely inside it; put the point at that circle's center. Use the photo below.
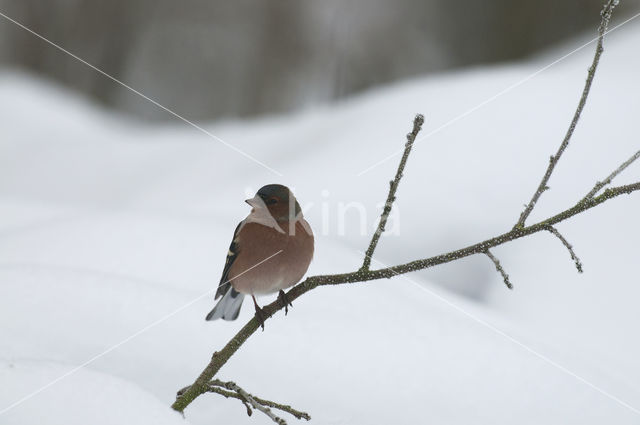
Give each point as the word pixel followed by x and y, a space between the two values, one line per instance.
pixel 109 227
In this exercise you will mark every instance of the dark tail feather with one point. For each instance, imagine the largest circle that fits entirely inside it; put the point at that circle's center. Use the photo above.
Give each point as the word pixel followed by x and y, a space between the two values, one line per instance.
pixel 228 308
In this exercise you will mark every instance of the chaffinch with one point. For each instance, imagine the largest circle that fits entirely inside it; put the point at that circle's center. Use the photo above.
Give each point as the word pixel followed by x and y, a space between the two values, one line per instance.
pixel 270 251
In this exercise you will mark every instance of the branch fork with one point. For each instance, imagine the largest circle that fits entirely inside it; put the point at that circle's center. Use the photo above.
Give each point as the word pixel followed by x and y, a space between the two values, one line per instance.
pixel 232 390
pixel 206 382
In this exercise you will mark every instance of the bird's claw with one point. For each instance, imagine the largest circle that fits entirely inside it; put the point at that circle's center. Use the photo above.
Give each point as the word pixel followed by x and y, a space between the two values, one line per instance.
pixel 261 316
pixel 284 300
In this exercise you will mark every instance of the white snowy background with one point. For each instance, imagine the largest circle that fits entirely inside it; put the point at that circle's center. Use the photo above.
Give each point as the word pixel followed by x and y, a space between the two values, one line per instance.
pixel 107 226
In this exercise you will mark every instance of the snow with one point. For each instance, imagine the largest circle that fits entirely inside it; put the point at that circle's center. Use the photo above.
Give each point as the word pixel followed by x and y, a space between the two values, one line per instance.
pixel 113 235
pixel 104 399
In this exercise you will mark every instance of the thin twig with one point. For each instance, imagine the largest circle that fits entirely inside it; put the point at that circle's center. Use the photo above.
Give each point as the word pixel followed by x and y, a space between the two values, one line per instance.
pixel 284 407
pixel 228 394
pixel 249 400
pixel 393 186
pixel 254 403
pixel 610 177
pixel 567 245
pixel 499 268
pixel 602 29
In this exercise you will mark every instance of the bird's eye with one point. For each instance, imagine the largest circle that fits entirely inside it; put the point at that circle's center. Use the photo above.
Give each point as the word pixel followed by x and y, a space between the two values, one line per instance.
pixel 271 201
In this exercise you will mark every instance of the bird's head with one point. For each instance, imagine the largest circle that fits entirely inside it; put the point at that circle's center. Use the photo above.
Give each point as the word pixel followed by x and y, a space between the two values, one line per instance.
pixel 278 200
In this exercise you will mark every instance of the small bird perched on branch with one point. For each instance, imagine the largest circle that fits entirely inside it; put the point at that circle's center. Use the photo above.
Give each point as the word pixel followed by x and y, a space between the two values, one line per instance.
pixel 270 251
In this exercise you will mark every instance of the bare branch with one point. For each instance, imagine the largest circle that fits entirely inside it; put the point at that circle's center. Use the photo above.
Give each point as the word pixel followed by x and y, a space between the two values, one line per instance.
pixel 602 29
pixel 252 401
pixel 393 186
pixel 204 382
pixel 233 390
pixel 221 357
pixel 610 177
pixel 228 394
pixel 284 407
pixel 588 197
pixel 566 243
pixel 499 268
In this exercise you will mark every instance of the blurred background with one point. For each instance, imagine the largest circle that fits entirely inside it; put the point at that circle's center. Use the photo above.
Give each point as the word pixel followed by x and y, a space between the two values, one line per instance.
pixel 209 59
pixel 116 218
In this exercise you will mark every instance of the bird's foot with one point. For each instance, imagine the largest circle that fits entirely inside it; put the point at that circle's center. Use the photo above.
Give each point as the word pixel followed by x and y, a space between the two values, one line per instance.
pixel 284 300
pixel 261 315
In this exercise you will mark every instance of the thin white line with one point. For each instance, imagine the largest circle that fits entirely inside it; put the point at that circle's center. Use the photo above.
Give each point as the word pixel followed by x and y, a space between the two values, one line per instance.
pixel 124 341
pixel 494 97
pixel 515 341
pixel 196 126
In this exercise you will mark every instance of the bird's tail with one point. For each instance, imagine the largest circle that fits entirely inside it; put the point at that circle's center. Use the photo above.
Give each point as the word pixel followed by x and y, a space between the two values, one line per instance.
pixel 228 307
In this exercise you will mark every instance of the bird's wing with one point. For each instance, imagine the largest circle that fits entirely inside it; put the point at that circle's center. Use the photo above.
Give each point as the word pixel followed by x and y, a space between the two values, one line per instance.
pixel 234 249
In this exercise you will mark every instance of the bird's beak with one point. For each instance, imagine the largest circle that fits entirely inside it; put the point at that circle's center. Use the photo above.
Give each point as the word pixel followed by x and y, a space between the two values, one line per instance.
pixel 255 202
